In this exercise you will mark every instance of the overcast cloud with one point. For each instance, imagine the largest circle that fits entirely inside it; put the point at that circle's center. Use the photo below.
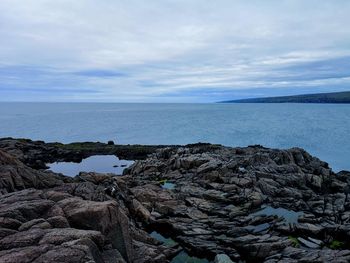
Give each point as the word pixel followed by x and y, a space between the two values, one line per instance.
pixel 171 50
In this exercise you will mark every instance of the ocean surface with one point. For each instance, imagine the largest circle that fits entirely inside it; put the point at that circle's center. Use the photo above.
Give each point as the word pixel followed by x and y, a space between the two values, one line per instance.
pixel 321 129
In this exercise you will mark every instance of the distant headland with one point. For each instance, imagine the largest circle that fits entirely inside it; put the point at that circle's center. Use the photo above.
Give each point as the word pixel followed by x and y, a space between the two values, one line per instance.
pixel 334 97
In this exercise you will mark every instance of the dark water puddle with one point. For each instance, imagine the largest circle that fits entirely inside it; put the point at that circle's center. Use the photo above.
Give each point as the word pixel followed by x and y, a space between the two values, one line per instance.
pixel 166 241
pixel 288 215
pixel 168 186
pixel 96 163
pixel 182 257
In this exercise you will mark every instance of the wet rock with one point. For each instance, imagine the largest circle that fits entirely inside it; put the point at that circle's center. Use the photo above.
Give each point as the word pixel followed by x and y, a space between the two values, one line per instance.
pixel 308 243
pixel 316 241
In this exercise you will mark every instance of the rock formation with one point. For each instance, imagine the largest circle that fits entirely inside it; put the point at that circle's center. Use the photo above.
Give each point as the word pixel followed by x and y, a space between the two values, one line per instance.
pixel 249 204
pixel 45 217
pixel 219 192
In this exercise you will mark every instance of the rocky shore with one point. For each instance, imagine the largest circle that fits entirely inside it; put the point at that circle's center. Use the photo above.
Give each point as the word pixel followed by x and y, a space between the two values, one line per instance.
pixel 224 204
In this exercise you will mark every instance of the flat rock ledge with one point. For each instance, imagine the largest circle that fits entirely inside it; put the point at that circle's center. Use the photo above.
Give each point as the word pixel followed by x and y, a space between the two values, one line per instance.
pixel 249 204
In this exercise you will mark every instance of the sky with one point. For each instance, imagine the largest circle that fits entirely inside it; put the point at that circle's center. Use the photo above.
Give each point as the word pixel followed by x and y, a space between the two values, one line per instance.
pixel 171 50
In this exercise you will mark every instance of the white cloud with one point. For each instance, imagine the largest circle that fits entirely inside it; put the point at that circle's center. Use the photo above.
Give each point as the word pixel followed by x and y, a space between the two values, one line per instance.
pixel 167 46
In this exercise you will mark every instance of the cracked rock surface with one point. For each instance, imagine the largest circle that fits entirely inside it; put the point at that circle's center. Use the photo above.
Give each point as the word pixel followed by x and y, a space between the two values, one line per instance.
pixel 45 217
pixel 252 204
pixel 249 204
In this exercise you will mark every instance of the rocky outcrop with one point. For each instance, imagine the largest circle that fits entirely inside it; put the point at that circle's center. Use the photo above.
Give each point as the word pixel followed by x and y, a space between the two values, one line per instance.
pixel 46 217
pixel 220 195
pixel 249 204
pixel 14 176
pixel 42 232
pixel 36 154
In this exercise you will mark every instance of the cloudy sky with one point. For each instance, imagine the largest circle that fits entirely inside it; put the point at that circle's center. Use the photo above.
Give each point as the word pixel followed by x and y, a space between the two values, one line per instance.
pixel 171 50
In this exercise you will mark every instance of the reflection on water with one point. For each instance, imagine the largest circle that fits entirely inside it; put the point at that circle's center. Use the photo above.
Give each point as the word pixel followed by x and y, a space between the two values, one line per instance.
pixel 288 215
pixel 182 257
pixel 166 241
pixel 97 163
pixel 168 186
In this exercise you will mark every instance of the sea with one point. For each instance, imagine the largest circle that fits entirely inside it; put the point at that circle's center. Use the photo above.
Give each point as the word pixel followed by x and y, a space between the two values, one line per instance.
pixel 321 129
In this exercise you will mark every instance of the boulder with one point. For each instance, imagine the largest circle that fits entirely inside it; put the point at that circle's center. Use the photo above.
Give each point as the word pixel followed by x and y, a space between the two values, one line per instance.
pixel 105 217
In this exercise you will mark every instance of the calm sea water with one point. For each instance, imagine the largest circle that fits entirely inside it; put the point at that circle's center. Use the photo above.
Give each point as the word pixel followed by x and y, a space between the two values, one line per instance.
pixel 97 163
pixel 321 129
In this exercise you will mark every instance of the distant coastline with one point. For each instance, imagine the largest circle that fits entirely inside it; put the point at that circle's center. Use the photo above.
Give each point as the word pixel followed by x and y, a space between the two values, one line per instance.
pixel 334 97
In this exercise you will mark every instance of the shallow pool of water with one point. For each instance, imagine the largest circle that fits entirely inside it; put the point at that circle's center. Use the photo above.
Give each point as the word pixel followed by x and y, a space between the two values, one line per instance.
pixel 166 241
pixel 168 186
pixel 182 257
pixel 96 163
pixel 288 215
